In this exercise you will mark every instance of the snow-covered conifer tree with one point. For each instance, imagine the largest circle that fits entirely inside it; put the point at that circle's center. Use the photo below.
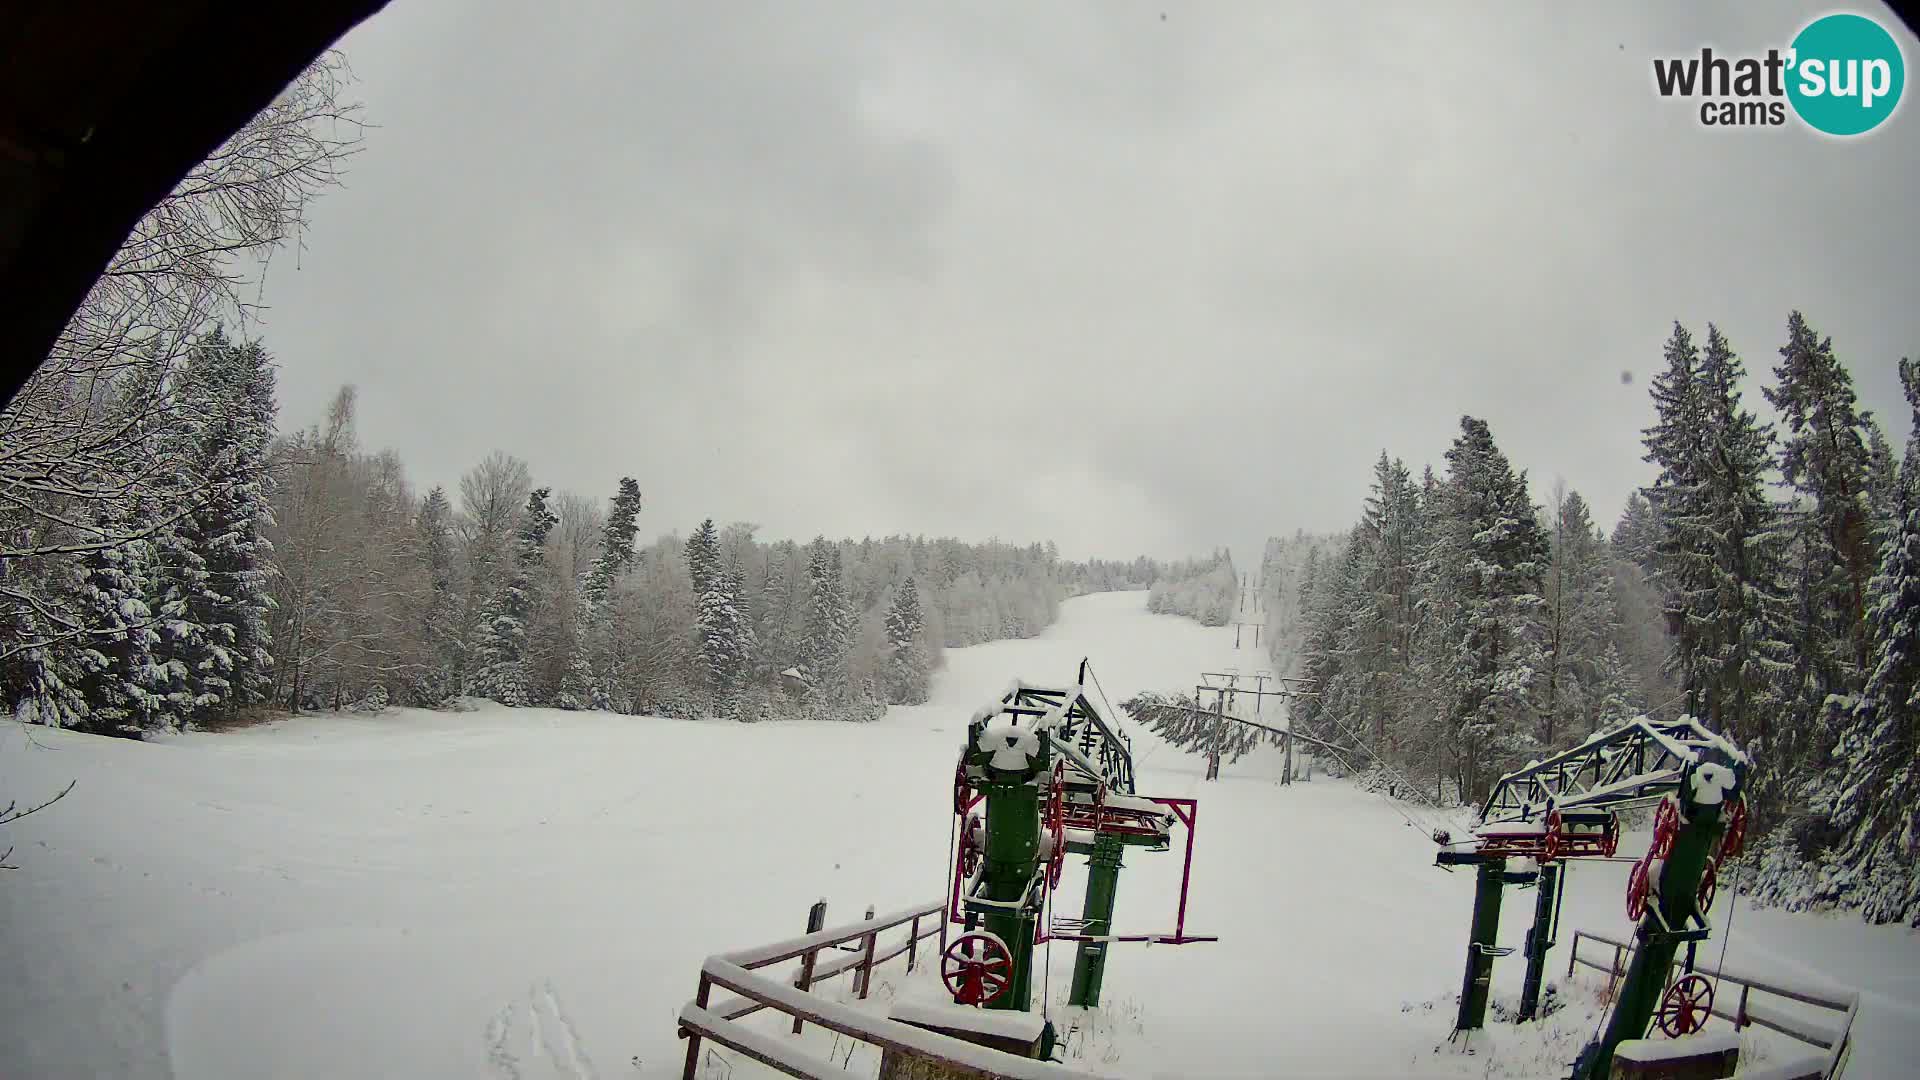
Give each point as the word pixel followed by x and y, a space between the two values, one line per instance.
pixel 227 598
pixel 440 621
pixel 500 641
pixel 1823 455
pixel 908 671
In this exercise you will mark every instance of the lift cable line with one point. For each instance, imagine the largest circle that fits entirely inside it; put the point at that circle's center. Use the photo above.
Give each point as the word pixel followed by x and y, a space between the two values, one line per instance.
pixel 1159 712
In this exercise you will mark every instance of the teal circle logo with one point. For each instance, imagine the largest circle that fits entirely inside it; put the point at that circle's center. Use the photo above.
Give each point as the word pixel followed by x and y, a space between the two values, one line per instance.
pixel 1846 76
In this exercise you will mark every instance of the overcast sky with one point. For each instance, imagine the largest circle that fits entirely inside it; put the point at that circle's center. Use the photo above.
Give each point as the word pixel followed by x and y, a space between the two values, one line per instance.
pixel 1136 277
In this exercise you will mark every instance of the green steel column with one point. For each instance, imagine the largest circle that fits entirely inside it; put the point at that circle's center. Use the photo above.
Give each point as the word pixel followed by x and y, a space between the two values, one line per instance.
pixel 1486 930
pixel 1012 850
pixel 1090 960
pixel 1676 899
pixel 1646 978
pixel 1539 939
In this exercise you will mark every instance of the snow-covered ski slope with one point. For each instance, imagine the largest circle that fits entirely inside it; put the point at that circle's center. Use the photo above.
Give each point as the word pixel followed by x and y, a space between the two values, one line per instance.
pixel 529 893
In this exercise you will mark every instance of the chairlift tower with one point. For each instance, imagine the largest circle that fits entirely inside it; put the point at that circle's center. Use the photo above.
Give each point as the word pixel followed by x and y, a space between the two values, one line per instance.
pixel 1044 774
pixel 1567 807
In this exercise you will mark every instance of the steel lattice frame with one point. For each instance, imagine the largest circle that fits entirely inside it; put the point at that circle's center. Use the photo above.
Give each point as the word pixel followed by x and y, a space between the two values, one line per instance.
pixel 1635 764
pixel 1076 726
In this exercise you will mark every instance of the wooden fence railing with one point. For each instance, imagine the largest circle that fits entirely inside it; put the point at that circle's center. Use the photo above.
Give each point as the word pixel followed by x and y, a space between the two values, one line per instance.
pixel 1834 1038
pixel 742 973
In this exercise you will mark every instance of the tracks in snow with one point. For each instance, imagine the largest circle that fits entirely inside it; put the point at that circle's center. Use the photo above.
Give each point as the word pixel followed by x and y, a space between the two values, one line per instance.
pixel 541 1027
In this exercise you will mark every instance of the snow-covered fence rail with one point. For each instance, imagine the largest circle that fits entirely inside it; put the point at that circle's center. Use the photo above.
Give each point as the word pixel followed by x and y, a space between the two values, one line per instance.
pixel 1830 1034
pixel 741 973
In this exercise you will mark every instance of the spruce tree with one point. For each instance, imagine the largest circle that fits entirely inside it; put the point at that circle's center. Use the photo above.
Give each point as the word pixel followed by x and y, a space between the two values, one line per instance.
pixel 1909 477
pixel 1636 537
pixel 1385 617
pixel 1496 554
pixel 583 684
pixel 1582 622
pixel 616 543
pixel 1824 457
pixel 778 611
pixel 1684 555
pixel 1316 658
pixel 1743 658
pixel 828 621
pixel 433 543
pixel 183 655
pixel 233 385
pixel 500 641
pixel 1883 484
pixel 115 673
pixel 703 557
pixel 908 673
pixel 1875 776
pixel 723 633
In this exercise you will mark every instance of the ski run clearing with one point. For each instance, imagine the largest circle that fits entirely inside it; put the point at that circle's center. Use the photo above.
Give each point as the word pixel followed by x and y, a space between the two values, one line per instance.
pixel 530 893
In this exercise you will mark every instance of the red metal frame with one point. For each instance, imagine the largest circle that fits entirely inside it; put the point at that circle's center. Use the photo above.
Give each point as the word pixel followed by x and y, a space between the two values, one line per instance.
pixel 1187 812
pixel 959 875
pixel 1548 842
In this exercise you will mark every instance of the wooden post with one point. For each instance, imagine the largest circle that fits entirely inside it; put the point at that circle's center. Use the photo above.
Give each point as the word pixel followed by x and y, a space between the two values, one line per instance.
pixel 805 981
pixel 693 1037
pixel 816 921
pixel 866 962
pixel 866 966
pixel 913 943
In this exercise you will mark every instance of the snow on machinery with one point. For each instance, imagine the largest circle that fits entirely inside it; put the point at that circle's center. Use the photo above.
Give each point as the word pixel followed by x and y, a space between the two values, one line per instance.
pixel 1567 807
pixel 1043 774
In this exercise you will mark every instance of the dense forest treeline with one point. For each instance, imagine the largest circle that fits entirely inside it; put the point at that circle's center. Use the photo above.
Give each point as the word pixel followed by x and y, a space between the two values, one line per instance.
pixel 1767 582
pixel 167 557
pixel 1204 589
pixel 309 574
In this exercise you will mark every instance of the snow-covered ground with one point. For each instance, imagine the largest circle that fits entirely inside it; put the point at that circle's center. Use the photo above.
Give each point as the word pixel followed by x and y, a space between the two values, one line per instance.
pixel 530 893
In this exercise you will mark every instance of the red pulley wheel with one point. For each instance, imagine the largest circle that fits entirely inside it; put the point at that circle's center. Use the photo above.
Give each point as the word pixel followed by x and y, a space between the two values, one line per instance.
pixel 1638 886
pixel 977 968
pixel 1666 824
pixel 1686 1006
pixel 1735 840
pixel 1708 884
pixel 1550 847
pixel 1056 824
pixel 1610 837
pixel 970 846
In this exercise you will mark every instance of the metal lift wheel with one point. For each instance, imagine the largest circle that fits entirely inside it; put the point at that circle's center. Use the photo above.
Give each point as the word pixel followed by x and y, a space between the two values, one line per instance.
pixel 1708 883
pixel 1639 884
pixel 1686 1006
pixel 962 794
pixel 970 846
pixel 1056 825
pixel 977 968
pixel 1666 825
pixel 1610 837
pixel 1735 840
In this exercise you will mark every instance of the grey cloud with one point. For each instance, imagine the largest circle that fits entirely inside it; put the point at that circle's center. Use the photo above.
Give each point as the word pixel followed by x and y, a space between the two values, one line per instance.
pixel 1065 270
